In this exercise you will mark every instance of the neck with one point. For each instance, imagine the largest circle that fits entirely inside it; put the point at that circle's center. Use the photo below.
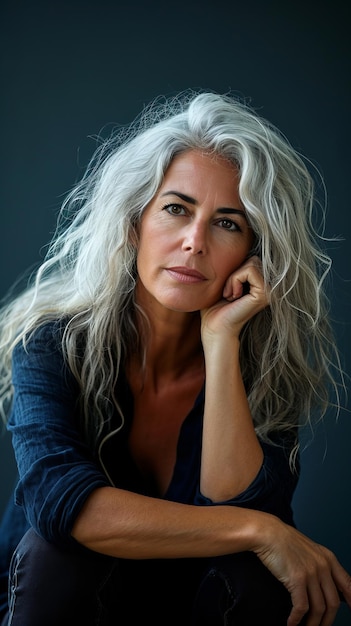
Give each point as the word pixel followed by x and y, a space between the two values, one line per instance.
pixel 173 347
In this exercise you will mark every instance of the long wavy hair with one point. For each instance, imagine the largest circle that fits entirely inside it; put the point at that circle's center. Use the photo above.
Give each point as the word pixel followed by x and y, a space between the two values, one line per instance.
pixel 289 358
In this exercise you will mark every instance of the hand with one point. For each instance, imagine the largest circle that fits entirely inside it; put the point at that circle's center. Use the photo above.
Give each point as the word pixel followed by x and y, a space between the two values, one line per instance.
pixel 244 295
pixel 311 573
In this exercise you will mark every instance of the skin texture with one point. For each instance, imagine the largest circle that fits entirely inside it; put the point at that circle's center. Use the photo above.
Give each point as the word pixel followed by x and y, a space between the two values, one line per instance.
pixel 208 234
pixel 194 267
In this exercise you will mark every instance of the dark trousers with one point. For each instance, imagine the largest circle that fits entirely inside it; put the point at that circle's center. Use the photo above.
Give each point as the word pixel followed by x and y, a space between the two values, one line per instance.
pixel 52 587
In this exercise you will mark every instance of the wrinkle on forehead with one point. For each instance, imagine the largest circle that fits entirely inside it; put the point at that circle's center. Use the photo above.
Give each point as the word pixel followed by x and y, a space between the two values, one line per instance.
pixel 194 169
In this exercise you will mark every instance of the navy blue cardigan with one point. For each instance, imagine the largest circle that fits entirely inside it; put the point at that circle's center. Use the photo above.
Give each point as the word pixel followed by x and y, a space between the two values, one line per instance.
pixel 57 470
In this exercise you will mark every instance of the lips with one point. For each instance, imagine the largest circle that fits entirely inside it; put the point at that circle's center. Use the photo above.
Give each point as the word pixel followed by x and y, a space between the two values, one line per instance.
pixel 186 274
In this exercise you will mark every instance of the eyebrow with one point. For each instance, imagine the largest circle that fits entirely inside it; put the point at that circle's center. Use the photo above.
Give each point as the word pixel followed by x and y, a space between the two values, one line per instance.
pixel 190 200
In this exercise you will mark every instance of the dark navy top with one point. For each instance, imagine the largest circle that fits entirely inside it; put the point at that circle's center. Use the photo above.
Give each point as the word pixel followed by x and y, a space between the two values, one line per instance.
pixel 57 470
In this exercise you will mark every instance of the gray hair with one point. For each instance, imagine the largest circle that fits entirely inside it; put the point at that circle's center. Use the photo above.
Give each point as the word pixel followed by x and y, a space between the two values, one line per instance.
pixel 289 358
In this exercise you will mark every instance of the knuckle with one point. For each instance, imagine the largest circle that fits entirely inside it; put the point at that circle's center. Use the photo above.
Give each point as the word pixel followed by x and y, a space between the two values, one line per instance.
pixel 320 609
pixel 334 605
pixel 301 609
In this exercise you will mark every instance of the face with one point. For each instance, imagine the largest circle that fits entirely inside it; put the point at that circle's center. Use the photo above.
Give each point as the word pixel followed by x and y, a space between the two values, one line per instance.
pixel 193 235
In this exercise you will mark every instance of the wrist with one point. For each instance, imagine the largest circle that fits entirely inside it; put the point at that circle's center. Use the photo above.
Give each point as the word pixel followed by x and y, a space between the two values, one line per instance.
pixel 223 344
pixel 264 531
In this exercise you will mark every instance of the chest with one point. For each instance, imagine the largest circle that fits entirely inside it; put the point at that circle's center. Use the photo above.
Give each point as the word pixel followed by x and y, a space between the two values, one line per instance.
pixel 157 420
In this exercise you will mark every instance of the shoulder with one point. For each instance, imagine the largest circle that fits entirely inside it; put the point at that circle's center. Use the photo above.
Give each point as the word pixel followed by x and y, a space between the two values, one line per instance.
pixel 46 335
pixel 40 359
pixel 41 347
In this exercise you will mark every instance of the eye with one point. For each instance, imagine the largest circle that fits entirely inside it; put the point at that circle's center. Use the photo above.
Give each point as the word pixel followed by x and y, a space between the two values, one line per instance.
pixel 174 209
pixel 228 224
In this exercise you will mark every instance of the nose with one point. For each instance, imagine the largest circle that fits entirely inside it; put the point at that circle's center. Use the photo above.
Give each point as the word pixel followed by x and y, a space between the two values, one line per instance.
pixel 195 239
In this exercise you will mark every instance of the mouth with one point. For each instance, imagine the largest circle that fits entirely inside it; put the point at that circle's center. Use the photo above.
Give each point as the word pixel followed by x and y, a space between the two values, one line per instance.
pixel 185 275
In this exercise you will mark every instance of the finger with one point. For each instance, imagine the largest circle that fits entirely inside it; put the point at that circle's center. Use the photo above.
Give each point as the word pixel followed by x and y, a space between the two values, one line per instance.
pixel 300 605
pixel 323 603
pixel 317 604
pixel 247 279
pixel 332 600
pixel 342 580
pixel 239 288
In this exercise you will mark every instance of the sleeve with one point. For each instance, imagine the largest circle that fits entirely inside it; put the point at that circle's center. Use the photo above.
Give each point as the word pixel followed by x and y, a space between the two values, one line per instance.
pixel 57 471
pixel 273 488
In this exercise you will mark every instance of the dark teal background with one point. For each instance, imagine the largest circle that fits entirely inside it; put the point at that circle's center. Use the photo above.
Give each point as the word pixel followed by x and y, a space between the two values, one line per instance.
pixel 71 70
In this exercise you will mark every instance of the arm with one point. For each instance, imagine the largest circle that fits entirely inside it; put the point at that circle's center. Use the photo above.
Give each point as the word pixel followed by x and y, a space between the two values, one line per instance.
pixel 124 524
pixel 231 452
pixel 66 496
pixel 273 488
pixel 56 470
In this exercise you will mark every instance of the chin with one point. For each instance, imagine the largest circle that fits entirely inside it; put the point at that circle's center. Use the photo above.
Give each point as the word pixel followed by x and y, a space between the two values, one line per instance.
pixel 188 305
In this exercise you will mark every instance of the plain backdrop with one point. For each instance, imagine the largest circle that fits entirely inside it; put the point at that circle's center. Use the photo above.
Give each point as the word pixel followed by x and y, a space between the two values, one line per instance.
pixel 71 70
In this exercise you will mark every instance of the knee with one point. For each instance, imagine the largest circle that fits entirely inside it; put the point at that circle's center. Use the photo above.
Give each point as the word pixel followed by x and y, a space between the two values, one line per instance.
pixel 238 589
pixel 50 585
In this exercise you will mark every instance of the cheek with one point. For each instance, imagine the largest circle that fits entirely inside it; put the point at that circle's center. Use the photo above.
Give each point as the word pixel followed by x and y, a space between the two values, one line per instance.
pixel 146 243
pixel 231 261
pixel 151 253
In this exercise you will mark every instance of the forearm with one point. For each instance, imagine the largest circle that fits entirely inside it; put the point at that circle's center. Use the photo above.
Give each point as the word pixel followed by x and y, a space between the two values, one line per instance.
pixel 127 525
pixel 231 452
pixel 122 524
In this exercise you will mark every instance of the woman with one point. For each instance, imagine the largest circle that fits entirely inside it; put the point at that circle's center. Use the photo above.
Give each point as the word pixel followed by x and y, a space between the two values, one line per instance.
pixel 172 343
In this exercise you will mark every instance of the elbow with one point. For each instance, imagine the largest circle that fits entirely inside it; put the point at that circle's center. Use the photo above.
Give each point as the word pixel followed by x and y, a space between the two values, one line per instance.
pixel 89 527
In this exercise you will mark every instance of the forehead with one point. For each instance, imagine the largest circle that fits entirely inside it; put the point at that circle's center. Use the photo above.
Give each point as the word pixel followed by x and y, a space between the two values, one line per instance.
pixel 198 162
pixel 202 176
